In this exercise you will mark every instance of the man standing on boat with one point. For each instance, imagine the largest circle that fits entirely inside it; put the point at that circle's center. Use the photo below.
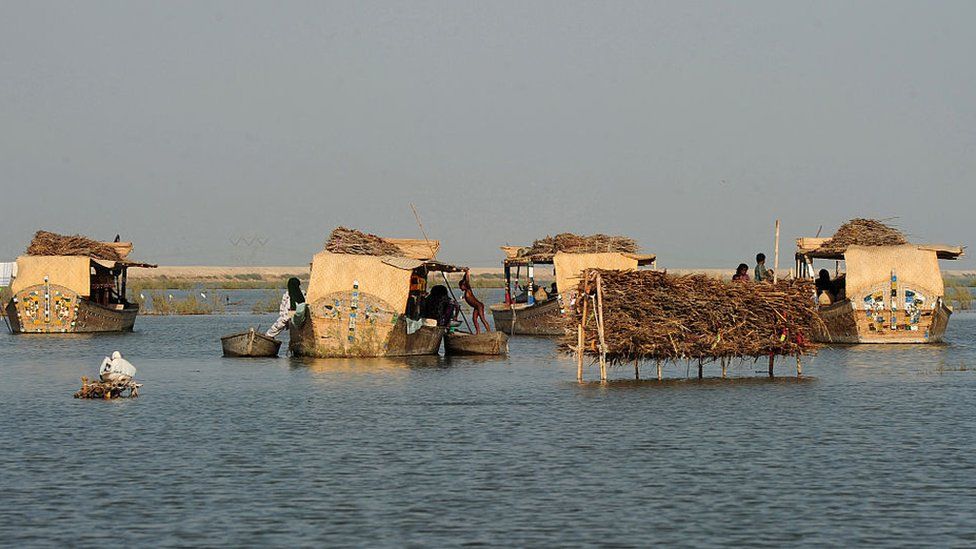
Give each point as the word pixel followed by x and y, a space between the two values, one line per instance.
pixel 292 298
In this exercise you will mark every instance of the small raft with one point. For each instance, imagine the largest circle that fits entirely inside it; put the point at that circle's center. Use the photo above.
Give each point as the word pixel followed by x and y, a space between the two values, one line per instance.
pixel 107 390
pixel 250 344
pixel 486 343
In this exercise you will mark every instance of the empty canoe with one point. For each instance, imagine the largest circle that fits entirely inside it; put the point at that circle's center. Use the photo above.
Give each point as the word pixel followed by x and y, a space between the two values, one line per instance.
pixel 486 343
pixel 250 344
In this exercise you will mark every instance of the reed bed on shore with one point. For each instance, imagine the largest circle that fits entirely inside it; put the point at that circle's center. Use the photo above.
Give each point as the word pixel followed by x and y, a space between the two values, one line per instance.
pixel 547 247
pixel 343 240
pixel 161 303
pixel 863 232
pixel 48 243
pixel 659 316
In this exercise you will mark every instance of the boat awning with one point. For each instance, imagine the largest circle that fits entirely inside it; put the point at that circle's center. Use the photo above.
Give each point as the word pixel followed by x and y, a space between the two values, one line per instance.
pixel 809 248
pixel 123 263
pixel 409 264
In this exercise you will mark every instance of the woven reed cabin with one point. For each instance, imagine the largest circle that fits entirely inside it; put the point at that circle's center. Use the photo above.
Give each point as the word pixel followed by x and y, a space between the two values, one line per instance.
pixel 570 255
pixel 72 284
pixel 883 289
pixel 364 298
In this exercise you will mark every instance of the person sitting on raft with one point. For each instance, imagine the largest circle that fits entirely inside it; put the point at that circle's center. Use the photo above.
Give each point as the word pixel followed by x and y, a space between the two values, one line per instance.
pixel 762 273
pixel 477 307
pixel 292 298
pixel 741 273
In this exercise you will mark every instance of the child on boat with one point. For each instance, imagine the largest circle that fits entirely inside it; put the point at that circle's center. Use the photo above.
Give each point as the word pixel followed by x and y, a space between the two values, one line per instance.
pixel 477 307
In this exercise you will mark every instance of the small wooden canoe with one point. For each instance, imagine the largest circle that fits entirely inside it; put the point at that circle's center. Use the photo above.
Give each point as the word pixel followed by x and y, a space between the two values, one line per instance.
pixel 485 343
pixel 250 344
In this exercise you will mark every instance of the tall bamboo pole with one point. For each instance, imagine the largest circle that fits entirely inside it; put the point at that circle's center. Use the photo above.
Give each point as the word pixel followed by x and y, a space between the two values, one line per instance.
pixel 799 367
pixel 776 255
pixel 772 358
pixel 660 373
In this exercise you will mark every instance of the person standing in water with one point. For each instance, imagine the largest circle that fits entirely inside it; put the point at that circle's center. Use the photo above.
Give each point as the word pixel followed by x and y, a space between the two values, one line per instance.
pixel 290 301
pixel 477 307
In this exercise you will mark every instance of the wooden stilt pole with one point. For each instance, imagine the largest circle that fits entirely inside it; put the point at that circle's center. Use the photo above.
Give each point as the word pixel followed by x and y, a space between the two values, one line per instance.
pixel 799 367
pixel 579 354
pixel 582 327
pixel 772 358
pixel 637 369
pixel 700 375
pixel 660 373
pixel 599 320
pixel 724 366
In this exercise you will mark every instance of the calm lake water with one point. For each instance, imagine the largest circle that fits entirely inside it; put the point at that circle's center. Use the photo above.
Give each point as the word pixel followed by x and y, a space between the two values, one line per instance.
pixel 876 446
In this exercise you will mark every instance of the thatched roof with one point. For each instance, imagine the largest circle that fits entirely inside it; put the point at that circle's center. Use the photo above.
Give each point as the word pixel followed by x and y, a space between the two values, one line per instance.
pixel 659 316
pixel 544 249
pixel 863 232
pixel 347 241
pixel 46 243
pixel 353 242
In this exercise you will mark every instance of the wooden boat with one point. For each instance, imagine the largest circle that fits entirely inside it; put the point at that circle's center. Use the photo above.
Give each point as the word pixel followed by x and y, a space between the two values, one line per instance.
pixel 546 317
pixel 71 294
pixel 366 305
pixel 887 294
pixel 250 344
pixel 543 318
pixel 485 343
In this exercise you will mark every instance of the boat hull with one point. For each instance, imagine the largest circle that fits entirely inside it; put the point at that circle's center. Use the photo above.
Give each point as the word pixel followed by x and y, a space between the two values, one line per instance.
pixel 842 323
pixel 331 338
pixel 485 343
pixel 53 309
pixel 545 318
pixel 250 344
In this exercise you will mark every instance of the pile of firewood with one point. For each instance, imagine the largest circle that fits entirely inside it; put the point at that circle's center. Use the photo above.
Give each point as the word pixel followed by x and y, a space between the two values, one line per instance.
pixel 651 315
pixel 351 241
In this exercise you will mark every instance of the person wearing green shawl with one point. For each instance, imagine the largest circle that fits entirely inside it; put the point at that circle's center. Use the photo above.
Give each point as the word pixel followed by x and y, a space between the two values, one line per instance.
pixel 292 309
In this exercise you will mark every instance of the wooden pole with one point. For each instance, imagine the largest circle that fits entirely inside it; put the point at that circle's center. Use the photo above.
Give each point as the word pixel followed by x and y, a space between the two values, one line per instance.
pixel 660 373
pixel 724 365
pixel 700 369
pixel 772 358
pixel 776 255
pixel 799 367
pixel 599 326
pixel 579 354
pixel 637 369
pixel 582 335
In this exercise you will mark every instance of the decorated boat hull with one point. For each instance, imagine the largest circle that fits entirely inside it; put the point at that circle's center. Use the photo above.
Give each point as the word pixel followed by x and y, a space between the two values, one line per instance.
pixel 545 318
pixel 337 337
pixel 841 322
pixel 54 309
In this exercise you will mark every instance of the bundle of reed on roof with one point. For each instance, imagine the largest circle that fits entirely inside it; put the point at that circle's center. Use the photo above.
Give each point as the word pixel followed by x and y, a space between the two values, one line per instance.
pixel 48 243
pixel 863 232
pixel 353 242
pixel 660 316
pixel 547 247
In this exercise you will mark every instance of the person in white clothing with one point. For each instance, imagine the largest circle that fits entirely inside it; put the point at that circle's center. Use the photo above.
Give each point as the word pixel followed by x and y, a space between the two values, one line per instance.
pixel 116 369
pixel 290 301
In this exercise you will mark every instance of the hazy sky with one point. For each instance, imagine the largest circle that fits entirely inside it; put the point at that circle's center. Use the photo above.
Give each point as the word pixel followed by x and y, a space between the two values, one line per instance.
pixel 239 132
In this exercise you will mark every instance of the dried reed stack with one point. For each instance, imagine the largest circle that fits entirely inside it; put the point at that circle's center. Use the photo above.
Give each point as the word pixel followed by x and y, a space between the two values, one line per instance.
pixel 353 242
pixel 545 248
pixel 107 390
pixel 659 316
pixel 863 232
pixel 48 243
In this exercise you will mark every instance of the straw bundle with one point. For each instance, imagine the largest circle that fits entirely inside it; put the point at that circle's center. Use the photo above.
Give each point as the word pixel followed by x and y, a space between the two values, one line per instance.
pixel 48 243
pixel 655 315
pixel 547 247
pixel 863 232
pixel 353 242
